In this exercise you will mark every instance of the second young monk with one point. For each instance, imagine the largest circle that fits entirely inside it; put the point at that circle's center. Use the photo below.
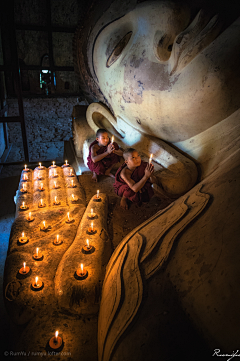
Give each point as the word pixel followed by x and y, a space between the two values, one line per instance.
pixel 103 155
pixel 133 180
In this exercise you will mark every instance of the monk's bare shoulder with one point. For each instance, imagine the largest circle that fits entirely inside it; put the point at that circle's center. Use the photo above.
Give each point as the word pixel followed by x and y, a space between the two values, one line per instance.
pixel 94 149
pixel 126 174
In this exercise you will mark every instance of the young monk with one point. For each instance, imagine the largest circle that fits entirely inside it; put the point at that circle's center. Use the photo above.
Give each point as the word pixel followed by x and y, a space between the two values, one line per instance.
pixel 133 180
pixel 103 155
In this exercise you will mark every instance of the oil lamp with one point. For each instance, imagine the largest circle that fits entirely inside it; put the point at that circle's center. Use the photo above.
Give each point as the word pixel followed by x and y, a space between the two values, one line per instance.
pixel 23 206
pixel 57 241
pixel 38 256
pixel 23 239
pixel 37 285
pixel 81 272
pixel 24 270
pixel 55 342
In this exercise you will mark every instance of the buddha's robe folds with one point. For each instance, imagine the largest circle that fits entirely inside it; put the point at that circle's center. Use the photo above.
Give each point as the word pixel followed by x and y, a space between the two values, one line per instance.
pixel 122 189
pixel 102 165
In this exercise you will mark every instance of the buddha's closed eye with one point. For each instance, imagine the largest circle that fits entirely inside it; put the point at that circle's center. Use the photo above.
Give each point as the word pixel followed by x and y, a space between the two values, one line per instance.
pixel 117 51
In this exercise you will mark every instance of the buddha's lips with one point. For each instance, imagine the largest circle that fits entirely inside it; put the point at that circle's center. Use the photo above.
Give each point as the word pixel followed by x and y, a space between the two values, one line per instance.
pixel 189 43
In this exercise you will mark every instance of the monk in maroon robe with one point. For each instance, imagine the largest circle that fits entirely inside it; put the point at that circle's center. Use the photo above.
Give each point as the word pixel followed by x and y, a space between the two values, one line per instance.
pixel 103 154
pixel 133 180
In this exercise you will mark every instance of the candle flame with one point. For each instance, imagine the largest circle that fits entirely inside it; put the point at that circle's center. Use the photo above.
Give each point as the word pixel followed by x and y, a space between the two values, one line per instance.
pixel 29 215
pixel 24 186
pixel 112 140
pixel 57 237
pixel 25 166
pixel 41 185
pixel 87 243
pixel 37 251
pixel 36 281
pixel 72 197
pixel 56 335
pixel 150 159
pixel 40 164
pixel 44 224
pixel 23 235
pixel 53 163
pixel 70 171
pixel 91 211
pixel 81 267
pixel 92 225
pixel 55 199
pixel 97 193
pixel 72 182
pixel 55 184
pixel 68 216
pixel 24 266
pixel 66 162
pixel 23 204
pixel 41 202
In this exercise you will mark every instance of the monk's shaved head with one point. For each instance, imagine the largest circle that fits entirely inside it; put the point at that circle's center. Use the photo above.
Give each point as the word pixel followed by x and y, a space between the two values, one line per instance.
pixel 100 131
pixel 128 152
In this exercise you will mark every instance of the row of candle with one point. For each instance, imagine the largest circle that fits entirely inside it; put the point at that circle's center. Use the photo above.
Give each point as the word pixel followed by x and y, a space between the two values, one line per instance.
pixel 42 204
pixel 41 188
pixel 41 166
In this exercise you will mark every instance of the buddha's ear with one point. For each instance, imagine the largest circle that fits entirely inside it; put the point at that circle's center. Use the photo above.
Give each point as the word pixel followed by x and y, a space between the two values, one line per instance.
pixel 99 116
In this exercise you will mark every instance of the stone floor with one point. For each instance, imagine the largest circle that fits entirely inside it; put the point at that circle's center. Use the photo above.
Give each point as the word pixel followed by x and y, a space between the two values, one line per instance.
pixel 177 331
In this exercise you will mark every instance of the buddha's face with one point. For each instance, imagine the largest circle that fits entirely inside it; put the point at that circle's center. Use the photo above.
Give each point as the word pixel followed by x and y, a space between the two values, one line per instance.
pixel 167 71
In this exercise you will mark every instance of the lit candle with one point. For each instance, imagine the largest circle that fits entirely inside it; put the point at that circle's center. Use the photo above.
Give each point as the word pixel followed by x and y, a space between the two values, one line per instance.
pixel 72 183
pixel 56 337
pixel 23 239
pixel 44 224
pixel 112 140
pixel 72 197
pixel 25 166
pixel 53 163
pixel 24 187
pixel 37 251
pixel 36 281
pixel 92 229
pixel 41 202
pixel 41 185
pixel 23 204
pixel 91 212
pixel 88 243
pixel 57 238
pixel 97 193
pixel 25 177
pixel 40 165
pixel 30 215
pixel 68 217
pixel 81 266
pixel 66 162
pixel 55 199
pixel 25 269
pixel 150 159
